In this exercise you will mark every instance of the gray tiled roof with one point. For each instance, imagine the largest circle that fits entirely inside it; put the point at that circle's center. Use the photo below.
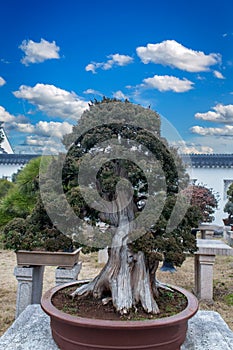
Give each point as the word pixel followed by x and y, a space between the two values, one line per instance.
pixel 197 160
pixel 209 160
pixel 19 159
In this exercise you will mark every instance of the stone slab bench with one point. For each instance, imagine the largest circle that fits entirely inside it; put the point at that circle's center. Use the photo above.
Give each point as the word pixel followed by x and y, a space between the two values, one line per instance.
pixel 31 330
pixel 203 228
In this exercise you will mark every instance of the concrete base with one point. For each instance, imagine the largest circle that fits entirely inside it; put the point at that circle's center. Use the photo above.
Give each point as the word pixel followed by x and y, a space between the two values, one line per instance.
pixel 31 330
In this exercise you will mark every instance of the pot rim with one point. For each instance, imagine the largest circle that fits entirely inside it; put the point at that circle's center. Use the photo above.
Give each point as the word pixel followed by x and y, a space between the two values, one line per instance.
pixel 47 252
pixel 51 310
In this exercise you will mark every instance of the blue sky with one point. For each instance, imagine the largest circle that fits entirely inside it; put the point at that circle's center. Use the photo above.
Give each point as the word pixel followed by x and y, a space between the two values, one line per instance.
pixel 176 56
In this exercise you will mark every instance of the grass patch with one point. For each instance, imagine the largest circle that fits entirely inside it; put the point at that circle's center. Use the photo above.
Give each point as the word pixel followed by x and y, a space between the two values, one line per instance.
pixel 229 299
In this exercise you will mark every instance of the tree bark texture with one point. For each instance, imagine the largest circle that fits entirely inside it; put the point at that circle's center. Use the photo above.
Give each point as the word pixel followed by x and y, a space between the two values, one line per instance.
pixel 126 276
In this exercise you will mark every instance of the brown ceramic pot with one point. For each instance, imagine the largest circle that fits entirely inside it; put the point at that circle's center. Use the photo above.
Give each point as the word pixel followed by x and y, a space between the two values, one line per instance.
pixel 78 333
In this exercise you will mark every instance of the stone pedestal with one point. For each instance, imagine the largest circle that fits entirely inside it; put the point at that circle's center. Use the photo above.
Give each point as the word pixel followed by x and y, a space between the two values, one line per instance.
pixel 103 256
pixel 204 276
pixel 67 275
pixel 204 264
pixel 30 285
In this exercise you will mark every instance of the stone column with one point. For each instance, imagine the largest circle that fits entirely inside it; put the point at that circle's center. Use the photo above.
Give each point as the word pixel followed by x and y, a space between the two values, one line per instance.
pixel 204 276
pixel 30 284
pixel 37 284
pixel 103 256
pixel 63 275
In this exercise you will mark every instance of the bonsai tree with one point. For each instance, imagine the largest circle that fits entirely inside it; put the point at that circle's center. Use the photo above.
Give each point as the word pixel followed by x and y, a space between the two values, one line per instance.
pixel 121 186
pixel 229 205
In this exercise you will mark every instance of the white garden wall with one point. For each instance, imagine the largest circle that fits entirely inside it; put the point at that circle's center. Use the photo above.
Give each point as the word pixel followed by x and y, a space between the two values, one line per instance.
pixel 217 178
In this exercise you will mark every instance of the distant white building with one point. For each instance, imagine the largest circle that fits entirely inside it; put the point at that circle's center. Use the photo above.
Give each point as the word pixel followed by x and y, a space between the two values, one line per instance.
pixel 10 162
pixel 5 146
pixel 213 171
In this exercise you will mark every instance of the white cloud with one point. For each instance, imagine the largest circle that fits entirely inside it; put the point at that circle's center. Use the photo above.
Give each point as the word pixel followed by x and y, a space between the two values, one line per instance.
pixel 39 141
pixel 218 74
pixel 39 144
pixel 24 128
pixel 6 116
pixel 53 129
pixel 91 67
pixel 9 119
pixel 120 95
pixel 43 128
pixel 227 34
pixel 227 130
pixel 173 54
pixel 198 150
pixel 3 60
pixel 53 101
pixel 194 148
pixel 2 81
pixel 166 83
pixel 119 60
pixel 38 52
pixel 43 136
pixel 221 114
pixel 113 60
pixel 92 92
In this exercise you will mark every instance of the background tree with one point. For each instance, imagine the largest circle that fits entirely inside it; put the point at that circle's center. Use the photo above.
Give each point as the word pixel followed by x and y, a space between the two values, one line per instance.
pixel 204 200
pixel 5 186
pixel 20 197
pixel 25 223
pixel 229 205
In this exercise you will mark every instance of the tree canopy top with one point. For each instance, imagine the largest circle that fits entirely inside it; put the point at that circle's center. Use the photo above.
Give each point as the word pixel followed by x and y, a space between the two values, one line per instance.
pixel 110 111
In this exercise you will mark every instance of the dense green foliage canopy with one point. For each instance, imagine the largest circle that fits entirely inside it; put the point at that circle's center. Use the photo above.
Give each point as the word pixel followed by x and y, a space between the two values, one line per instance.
pixel 159 177
pixel 19 197
pixel 24 221
pixel 120 144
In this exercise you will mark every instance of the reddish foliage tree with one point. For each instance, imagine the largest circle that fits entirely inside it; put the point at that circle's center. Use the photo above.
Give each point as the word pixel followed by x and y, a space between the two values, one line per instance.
pixel 205 201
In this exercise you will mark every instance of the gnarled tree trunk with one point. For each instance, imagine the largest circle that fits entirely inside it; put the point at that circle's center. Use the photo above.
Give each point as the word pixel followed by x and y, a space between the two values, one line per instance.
pixel 126 276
